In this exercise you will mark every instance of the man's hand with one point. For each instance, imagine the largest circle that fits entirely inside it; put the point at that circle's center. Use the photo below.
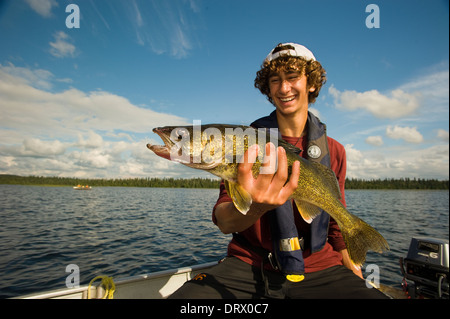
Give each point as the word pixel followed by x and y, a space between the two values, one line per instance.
pixel 268 190
pixel 270 187
pixel 350 265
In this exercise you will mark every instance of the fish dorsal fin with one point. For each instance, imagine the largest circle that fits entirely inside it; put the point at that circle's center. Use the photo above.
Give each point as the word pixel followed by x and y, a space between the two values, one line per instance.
pixel 242 200
pixel 307 211
pixel 271 135
pixel 289 147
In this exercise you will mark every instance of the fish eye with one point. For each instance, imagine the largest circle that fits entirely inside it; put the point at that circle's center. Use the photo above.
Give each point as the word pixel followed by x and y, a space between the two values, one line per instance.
pixel 180 133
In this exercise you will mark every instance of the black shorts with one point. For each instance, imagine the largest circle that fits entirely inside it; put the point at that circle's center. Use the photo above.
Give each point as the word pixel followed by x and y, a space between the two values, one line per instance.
pixel 235 279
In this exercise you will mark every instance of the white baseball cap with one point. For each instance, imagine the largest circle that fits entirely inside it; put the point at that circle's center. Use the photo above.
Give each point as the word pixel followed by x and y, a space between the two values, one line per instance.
pixel 290 49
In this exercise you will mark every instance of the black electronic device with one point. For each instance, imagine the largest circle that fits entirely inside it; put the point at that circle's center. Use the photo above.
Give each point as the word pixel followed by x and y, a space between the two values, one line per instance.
pixel 427 266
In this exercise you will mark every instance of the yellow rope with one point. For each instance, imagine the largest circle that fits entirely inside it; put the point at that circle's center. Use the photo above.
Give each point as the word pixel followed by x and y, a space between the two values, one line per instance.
pixel 108 285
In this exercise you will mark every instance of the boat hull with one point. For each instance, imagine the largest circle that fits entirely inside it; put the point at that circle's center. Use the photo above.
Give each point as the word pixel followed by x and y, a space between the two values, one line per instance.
pixel 157 285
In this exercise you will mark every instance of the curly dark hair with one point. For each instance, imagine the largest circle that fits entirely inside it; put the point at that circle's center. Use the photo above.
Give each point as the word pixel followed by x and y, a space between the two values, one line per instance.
pixel 312 69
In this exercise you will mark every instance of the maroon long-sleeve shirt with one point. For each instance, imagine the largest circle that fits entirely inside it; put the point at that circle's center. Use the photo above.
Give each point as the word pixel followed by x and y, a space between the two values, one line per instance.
pixel 259 233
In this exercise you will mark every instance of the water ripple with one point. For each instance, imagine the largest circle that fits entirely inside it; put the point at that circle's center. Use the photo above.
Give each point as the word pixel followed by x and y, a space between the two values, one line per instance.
pixel 122 232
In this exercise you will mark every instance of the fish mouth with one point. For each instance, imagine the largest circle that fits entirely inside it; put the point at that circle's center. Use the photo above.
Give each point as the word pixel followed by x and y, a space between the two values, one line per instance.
pixel 161 150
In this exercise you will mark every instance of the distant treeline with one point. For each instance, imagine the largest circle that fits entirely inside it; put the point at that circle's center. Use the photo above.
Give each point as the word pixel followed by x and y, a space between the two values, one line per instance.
pixel 391 183
pixel 402 183
pixel 125 182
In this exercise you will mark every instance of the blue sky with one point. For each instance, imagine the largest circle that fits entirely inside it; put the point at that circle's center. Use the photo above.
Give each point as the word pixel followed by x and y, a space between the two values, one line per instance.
pixel 83 101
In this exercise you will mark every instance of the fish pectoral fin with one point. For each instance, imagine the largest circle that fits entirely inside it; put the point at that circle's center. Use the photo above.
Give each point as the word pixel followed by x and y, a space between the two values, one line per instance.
pixel 307 211
pixel 242 200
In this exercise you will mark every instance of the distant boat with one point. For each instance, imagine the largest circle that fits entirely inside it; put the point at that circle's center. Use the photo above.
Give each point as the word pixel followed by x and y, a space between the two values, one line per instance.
pixel 82 187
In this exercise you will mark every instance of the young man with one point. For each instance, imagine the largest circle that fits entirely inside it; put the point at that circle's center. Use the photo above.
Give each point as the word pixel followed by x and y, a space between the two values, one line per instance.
pixel 291 78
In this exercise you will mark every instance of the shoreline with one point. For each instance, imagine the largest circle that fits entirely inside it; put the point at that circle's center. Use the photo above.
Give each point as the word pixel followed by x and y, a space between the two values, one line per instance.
pixel 170 182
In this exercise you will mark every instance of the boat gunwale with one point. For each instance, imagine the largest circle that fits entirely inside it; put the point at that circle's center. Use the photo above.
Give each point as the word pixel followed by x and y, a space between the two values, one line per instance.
pixel 120 281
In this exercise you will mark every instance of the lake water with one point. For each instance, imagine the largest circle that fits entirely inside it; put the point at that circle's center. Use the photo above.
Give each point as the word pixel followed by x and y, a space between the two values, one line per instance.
pixel 122 232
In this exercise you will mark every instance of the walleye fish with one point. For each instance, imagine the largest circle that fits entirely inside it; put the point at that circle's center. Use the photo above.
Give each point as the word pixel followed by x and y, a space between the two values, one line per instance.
pixel 218 149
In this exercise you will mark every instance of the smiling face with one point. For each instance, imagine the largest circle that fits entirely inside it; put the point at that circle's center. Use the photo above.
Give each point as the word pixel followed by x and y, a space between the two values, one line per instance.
pixel 312 71
pixel 289 91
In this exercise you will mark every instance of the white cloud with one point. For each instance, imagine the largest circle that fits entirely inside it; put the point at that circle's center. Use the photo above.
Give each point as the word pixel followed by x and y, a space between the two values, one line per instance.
pixel 93 159
pixel 434 86
pixel 398 162
pixel 73 133
pixel 375 140
pixel 33 147
pixel 38 78
pixel 167 28
pixel 315 111
pixel 43 7
pixel 425 94
pixel 422 101
pixel 138 17
pixel 353 155
pixel 7 161
pixel 409 134
pixel 396 104
pixel 62 48
pixel 443 135
pixel 38 147
pixel 94 140
pixel 72 111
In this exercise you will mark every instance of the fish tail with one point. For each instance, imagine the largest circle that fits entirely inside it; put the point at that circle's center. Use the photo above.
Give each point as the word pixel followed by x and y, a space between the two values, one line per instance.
pixel 360 238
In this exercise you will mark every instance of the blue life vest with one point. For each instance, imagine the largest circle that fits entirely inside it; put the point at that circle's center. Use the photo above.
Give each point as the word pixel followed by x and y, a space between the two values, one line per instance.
pixel 285 242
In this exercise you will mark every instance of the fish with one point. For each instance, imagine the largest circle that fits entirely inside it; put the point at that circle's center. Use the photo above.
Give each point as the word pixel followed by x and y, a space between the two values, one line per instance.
pixel 219 149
